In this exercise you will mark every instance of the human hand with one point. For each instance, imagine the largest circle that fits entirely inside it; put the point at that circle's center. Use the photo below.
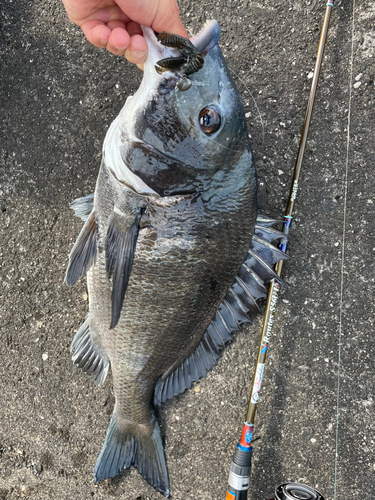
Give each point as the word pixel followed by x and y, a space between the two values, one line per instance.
pixel 116 24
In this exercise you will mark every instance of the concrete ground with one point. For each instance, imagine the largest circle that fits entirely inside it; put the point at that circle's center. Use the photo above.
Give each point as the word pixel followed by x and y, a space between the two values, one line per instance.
pixel 58 96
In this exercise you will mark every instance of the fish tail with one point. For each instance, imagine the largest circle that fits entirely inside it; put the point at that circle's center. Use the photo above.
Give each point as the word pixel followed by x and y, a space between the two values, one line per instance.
pixel 123 448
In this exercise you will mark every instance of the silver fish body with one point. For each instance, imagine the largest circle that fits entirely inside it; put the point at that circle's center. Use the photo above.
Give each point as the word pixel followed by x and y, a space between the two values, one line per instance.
pixel 171 225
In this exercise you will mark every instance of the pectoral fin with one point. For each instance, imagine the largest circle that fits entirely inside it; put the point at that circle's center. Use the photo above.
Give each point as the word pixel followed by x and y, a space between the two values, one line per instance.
pixel 83 206
pixel 120 248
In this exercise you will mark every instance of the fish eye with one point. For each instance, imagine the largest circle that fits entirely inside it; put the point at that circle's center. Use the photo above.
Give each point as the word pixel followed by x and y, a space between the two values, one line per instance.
pixel 209 120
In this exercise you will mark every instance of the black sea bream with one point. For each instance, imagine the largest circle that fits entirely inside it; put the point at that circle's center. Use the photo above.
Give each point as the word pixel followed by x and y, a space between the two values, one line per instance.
pixel 172 261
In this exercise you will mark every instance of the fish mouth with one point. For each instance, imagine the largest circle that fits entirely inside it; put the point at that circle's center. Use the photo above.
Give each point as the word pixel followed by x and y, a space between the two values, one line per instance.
pixel 207 38
pixel 204 41
pixel 122 127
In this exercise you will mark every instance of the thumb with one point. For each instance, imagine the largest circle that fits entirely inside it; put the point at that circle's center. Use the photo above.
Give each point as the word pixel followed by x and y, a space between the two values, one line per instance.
pixel 168 19
pixel 161 15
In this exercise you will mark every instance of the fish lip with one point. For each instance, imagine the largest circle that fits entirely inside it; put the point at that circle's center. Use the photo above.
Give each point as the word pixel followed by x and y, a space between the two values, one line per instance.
pixel 204 41
pixel 208 37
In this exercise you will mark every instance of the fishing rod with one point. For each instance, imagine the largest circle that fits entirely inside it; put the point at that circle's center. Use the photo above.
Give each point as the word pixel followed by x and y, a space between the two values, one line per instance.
pixel 240 468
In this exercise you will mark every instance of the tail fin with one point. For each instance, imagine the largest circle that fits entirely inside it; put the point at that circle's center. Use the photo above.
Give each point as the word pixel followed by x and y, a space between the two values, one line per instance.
pixel 122 449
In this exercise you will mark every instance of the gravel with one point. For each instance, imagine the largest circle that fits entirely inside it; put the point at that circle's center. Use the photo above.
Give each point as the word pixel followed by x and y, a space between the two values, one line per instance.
pixel 58 97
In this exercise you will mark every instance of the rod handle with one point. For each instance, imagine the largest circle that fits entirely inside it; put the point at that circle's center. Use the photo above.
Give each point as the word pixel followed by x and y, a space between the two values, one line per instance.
pixel 239 474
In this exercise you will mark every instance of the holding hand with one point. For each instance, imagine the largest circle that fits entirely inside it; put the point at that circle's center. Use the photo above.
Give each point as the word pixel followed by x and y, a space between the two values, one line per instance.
pixel 116 25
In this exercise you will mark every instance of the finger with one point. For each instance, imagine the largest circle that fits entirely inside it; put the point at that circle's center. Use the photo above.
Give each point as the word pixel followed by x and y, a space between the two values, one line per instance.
pixel 162 15
pixel 96 33
pixel 168 19
pixel 109 14
pixel 116 24
pixel 134 29
pixel 137 51
pixel 118 41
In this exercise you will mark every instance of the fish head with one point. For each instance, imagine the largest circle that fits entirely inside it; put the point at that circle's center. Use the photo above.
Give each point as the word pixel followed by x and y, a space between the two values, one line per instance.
pixel 177 141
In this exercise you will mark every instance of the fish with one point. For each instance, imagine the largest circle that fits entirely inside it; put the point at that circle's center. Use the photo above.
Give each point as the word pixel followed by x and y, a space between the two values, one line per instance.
pixel 174 251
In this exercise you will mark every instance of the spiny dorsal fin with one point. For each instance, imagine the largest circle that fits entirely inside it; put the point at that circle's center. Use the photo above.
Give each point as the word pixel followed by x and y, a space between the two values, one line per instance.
pixel 260 266
pixel 265 221
pixel 267 251
pixel 83 254
pixel 120 248
pixel 248 287
pixel 268 233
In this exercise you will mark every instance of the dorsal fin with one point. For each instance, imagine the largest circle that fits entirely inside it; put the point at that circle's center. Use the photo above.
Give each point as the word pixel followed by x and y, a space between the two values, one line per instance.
pixel 268 233
pixel 247 288
pixel 267 251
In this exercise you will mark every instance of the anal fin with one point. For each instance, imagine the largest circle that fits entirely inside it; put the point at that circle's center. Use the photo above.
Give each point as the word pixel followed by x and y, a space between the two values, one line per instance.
pixel 89 356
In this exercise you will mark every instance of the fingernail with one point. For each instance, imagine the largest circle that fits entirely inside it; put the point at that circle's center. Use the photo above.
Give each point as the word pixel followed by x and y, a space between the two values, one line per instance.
pixel 136 56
